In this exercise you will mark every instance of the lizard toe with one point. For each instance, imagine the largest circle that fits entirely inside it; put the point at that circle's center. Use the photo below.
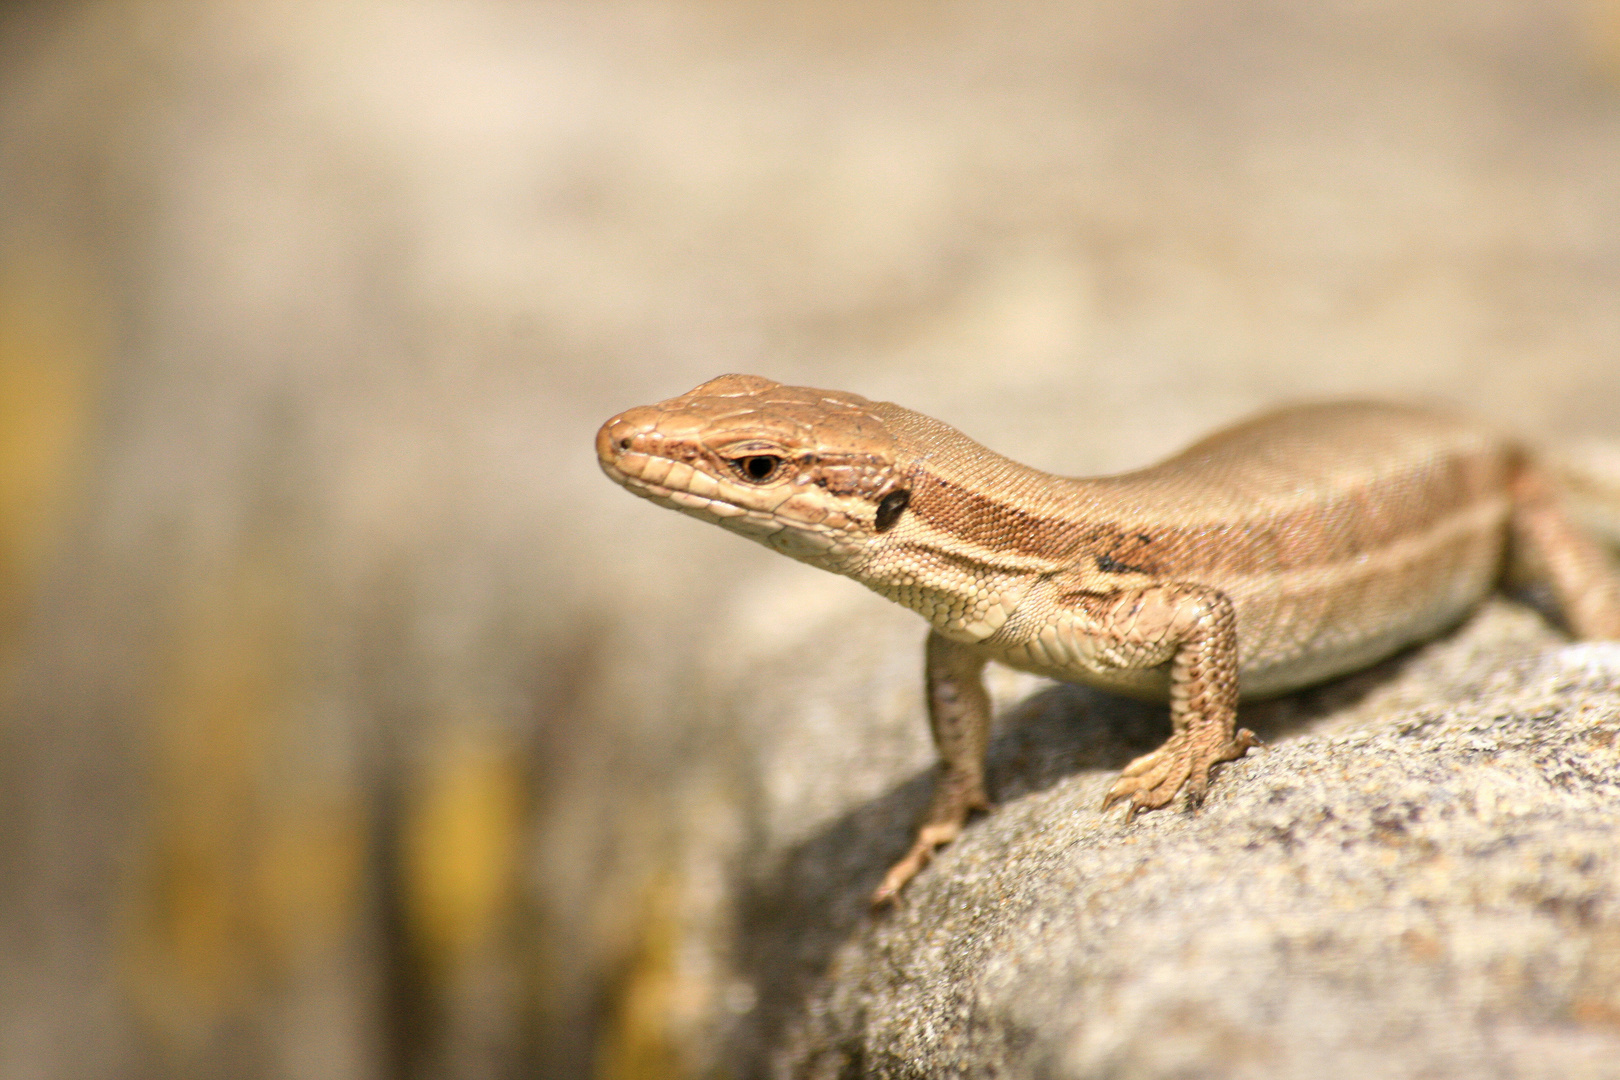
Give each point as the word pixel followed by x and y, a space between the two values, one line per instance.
pixel 1201 761
pixel 1173 780
pixel 1152 780
pixel 1240 745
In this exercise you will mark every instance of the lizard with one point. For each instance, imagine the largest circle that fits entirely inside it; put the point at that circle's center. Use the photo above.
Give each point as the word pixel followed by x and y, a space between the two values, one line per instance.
pixel 1302 544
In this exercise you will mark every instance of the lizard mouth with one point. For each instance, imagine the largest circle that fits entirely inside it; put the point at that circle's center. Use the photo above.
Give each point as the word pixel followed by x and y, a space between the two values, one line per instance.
pixel 710 509
pixel 640 459
pixel 635 457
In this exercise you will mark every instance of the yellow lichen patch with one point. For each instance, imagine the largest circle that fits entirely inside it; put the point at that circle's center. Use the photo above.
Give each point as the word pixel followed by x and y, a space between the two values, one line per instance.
pixel 225 688
pixel 307 879
pixel 462 840
pixel 640 1041
pixel 51 354
pixel 252 864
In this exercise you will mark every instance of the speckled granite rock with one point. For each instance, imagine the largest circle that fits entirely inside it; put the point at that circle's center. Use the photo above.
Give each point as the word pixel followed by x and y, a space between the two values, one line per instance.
pixel 1420 876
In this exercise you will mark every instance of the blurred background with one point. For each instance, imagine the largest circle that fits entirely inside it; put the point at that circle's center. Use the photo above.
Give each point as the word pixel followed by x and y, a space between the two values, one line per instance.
pixel 340 695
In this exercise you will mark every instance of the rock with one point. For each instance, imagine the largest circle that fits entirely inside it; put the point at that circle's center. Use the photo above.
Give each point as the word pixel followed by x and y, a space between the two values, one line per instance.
pixel 1419 876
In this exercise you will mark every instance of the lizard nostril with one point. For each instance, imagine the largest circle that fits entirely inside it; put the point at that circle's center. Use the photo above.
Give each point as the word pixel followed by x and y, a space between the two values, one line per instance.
pixel 624 443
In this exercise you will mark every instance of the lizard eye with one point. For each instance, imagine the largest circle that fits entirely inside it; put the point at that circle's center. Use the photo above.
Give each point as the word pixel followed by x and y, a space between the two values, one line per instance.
pixel 757 467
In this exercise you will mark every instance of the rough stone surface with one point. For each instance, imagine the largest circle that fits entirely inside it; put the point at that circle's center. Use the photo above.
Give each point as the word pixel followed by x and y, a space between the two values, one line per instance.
pixel 1418 876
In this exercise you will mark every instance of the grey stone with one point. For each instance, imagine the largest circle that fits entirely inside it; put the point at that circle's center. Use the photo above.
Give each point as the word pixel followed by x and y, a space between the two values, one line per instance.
pixel 1418 876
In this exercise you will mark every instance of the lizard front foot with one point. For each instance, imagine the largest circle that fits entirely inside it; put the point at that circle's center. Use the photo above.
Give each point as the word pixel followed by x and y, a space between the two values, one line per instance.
pixel 952 805
pixel 928 838
pixel 1152 780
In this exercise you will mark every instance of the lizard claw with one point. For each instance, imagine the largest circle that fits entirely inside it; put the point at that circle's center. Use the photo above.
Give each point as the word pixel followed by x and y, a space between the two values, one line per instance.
pixel 1152 780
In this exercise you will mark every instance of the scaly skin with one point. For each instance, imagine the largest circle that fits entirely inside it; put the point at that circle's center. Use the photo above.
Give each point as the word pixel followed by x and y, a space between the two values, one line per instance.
pixel 1286 550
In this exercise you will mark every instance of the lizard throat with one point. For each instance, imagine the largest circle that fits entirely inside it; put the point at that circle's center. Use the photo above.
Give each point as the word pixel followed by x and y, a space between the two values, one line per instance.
pixel 962 598
pixel 823 536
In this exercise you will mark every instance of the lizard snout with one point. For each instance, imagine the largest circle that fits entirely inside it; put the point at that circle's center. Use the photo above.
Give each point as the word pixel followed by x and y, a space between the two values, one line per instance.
pixel 622 442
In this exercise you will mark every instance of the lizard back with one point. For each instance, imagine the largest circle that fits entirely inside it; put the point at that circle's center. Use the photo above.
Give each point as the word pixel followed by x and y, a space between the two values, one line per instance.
pixel 1342 532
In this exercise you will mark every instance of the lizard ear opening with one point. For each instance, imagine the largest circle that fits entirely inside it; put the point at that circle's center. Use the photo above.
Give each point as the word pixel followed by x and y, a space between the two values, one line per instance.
pixel 889 510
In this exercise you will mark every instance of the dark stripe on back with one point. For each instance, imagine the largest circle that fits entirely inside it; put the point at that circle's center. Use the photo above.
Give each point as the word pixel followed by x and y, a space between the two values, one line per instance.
pixel 1130 544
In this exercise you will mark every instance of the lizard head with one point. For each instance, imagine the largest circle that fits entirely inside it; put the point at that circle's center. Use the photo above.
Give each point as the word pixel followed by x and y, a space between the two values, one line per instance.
pixel 811 473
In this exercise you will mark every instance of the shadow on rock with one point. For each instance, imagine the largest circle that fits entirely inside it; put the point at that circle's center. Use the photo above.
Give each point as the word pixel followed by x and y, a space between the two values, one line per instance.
pixel 792 922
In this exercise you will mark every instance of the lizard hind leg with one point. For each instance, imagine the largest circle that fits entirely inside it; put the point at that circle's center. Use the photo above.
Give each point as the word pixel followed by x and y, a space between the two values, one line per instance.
pixel 1550 545
pixel 1201 624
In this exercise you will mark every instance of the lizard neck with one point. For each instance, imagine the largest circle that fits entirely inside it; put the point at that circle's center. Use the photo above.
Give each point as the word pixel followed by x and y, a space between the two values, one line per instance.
pixel 979 531
pixel 974 503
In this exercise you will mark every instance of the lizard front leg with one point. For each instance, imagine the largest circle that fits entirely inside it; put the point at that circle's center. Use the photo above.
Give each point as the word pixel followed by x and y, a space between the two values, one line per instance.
pixel 959 714
pixel 1195 628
